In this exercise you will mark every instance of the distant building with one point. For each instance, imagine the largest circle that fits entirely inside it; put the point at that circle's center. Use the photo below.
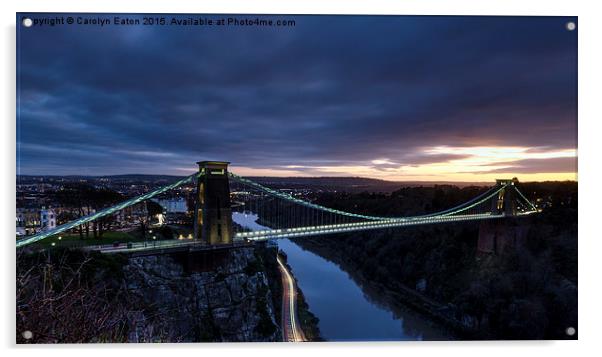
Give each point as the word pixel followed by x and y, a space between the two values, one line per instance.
pixel 173 205
pixel 130 215
pixel 33 220
pixel 175 211
pixel 47 219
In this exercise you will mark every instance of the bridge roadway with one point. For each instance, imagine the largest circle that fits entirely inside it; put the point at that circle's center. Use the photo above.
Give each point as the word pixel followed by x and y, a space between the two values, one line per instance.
pixel 359 226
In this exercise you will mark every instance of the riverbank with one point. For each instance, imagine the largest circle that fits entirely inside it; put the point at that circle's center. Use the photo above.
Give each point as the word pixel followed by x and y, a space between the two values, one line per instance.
pixel 345 310
pixel 307 320
pixel 523 293
pixel 399 299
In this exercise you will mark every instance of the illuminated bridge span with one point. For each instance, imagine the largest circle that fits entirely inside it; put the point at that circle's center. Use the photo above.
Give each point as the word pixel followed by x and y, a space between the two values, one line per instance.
pixel 309 219
pixel 220 194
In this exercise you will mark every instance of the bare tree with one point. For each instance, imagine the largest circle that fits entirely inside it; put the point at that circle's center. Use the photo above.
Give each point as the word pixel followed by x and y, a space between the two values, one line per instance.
pixel 55 303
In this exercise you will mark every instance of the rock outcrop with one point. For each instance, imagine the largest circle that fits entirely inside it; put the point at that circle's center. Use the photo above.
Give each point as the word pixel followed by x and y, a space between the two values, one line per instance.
pixel 230 302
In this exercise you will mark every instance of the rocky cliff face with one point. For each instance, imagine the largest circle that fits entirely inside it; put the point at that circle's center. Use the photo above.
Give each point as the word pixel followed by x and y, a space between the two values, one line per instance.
pixel 229 302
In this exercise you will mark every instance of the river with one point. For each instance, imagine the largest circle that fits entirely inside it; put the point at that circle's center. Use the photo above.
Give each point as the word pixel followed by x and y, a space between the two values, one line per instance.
pixel 346 313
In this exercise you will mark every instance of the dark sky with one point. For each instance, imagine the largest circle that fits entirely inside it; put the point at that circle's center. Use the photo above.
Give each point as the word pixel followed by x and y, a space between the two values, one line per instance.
pixel 458 98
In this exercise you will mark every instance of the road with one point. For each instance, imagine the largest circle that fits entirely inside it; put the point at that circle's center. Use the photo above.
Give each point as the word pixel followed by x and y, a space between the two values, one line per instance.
pixel 291 330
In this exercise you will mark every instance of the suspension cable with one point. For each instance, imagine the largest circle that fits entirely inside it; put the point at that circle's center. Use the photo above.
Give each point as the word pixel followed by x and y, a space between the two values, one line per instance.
pixel 102 213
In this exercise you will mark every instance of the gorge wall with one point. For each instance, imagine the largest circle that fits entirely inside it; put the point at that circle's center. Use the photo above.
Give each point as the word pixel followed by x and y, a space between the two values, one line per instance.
pixel 75 297
pixel 231 302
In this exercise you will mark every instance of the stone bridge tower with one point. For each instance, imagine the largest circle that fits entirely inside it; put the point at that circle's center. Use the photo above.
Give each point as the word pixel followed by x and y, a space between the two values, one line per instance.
pixel 499 235
pixel 213 214
pixel 505 201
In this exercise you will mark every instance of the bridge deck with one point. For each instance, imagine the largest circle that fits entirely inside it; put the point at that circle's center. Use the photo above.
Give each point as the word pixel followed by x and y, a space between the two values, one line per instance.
pixel 164 247
pixel 359 226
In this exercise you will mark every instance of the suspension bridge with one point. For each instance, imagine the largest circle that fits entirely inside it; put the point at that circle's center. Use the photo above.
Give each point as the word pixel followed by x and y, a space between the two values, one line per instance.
pixel 220 193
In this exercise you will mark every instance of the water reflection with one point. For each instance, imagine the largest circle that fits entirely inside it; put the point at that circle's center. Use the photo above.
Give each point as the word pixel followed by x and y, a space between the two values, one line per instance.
pixel 345 312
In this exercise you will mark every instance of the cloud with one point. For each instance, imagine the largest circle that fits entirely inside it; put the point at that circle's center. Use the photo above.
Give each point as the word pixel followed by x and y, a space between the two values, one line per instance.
pixel 535 166
pixel 331 92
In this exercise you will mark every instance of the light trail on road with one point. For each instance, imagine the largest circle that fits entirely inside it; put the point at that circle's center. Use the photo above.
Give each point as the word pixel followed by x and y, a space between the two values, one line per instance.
pixel 291 332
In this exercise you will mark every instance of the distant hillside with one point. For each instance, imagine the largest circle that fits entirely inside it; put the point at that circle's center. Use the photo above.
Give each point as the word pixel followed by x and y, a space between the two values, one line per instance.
pixel 141 177
pixel 352 183
pixel 355 184
pixel 126 177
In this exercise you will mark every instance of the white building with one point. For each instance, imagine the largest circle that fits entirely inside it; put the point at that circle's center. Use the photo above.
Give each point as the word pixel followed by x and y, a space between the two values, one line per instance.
pixel 47 219
pixel 32 220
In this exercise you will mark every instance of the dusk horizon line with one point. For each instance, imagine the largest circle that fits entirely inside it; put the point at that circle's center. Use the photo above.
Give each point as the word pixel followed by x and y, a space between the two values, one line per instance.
pixel 295 177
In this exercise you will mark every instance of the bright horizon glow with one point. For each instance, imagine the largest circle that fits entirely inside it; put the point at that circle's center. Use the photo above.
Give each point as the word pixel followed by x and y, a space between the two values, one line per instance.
pixel 428 164
pixel 523 177
pixel 474 164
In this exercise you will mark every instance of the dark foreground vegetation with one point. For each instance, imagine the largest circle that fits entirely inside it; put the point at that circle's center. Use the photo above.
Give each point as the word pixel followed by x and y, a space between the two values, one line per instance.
pixel 528 291
pixel 65 296
pixel 70 296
